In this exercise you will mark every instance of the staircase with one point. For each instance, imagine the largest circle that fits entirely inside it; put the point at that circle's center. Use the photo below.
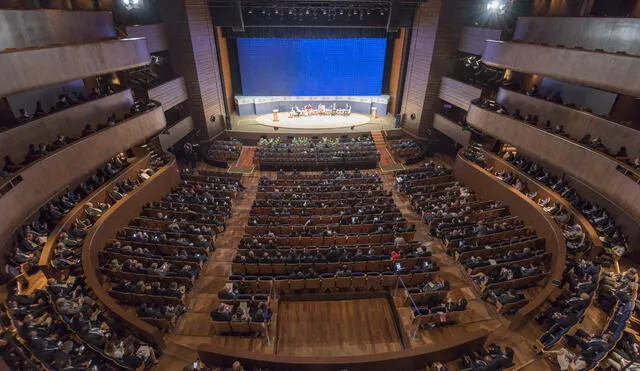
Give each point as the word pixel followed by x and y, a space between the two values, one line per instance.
pixel 386 160
pixel 152 147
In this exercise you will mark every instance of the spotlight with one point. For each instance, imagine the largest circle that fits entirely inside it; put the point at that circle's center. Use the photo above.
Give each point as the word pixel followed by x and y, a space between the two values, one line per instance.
pixel 276 11
pixel 263 12
pixel 355 12
pixel 382 12
pixel 250 11
pixel 341 12
pixel 324 11
pixel 290 11
pixel 494 5
pixel 307 11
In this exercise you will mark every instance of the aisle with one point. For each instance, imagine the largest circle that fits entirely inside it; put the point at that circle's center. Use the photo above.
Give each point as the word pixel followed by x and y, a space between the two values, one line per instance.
pixel 387 162
pixel 195 327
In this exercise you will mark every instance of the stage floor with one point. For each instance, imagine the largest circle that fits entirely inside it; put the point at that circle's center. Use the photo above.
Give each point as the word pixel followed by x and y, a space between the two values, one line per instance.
pixel 336 328
pixel 313 122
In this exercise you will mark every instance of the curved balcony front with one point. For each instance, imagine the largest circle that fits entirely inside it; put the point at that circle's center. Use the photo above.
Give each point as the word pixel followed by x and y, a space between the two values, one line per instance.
pixel 609 34
pixel 29 69
pixel 490 188
pixel 600 171
pixel 70 122
pixel 21 29
pixel 451 129
pixel 576 122
pixel 458 93
pixel 35 184
pixel 106 228
pixel 600 70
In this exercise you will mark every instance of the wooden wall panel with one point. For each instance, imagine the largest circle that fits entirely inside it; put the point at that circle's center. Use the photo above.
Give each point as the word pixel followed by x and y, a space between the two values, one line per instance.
pixel 21 29
pixel 599 70
pixel 458 93
pixel 154 33
pixel 225 69
pixel 170 93
pixel 193 53
pixel 451 129
pixel 15 142
pixel 590 166
pixel 609 34
pixel 33 68
pixel 423 39
pixel 44 178
pixel 178 131
pixel 576 122
pixel 396 70
pixel 472 39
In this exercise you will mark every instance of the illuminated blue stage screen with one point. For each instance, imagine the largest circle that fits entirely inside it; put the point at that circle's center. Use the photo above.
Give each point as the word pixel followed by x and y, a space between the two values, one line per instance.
pixel 284 66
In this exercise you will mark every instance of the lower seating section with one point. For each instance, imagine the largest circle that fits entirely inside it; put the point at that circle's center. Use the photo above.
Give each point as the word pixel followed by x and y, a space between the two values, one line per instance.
pixel 502 255
pixel 310 154
pixel 155 261
pixel 32 237
pixel 64 326
pixel 336 231
pixel 407 151
pixel 224 150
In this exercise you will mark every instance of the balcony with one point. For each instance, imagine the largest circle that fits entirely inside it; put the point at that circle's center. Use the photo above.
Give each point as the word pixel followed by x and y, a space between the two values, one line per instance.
pixel 20 29
pixel 170 93
pixel 576 122
pixel 70 122
pixel 472 39
pixel 451 129
pixel 154 33
pixel 458 93
pixel 176 132
pixel 601 70
pixel 597 169
pixel 36 183
pixel 608 34
pixel 29 69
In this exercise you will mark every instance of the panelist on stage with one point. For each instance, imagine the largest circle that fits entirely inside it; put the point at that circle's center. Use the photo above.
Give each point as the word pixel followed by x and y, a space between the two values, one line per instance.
pixel 308 108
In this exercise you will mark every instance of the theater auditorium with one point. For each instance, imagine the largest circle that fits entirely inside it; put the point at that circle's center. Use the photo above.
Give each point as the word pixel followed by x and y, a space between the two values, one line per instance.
pixel 319 185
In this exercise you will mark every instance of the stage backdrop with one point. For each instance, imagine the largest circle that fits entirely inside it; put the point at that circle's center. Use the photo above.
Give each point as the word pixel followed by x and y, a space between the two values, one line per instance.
pixel 285 67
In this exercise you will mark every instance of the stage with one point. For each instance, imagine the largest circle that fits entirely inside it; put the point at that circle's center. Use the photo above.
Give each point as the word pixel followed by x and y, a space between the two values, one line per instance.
pixel 355 122
pixel 314 122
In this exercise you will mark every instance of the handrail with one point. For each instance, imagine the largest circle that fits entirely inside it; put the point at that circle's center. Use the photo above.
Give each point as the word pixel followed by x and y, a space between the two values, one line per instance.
pixel 35 120
pixel 52 153
pixel 70 217
pixel 484 183
pixel 578 110
pixel 569 140
pixel 557 198
pixel 106 227
pixel 587 162
pixel 403 360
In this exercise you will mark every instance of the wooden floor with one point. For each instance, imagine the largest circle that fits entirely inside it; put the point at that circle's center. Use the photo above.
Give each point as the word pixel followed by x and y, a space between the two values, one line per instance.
pixel 336 328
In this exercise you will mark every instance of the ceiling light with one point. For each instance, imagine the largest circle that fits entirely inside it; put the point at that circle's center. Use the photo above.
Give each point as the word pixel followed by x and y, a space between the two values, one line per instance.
pixel 494 5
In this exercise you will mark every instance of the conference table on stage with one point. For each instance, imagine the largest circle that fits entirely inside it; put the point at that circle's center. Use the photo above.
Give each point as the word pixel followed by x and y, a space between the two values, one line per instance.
pixel 260 105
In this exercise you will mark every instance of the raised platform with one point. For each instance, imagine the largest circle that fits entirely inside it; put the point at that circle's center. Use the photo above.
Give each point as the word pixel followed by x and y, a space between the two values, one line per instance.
pixel 258 105
pixel 313 122
pixel 311 125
